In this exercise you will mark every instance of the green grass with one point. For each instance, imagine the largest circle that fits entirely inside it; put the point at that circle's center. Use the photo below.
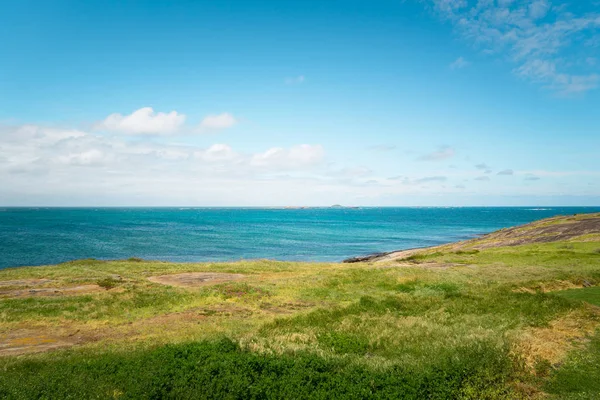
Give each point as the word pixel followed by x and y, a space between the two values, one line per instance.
pixel 590 295
pixel 441 325
pixel 221 370
pixel 579 377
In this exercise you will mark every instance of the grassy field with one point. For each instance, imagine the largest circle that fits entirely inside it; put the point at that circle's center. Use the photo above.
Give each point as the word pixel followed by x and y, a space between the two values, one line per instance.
pixel 504 322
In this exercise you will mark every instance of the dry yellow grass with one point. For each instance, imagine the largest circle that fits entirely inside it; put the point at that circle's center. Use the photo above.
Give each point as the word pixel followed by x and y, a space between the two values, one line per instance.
pixel 553 343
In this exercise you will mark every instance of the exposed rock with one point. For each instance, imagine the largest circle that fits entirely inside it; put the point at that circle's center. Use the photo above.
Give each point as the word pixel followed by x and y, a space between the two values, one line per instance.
pixel 367 258
pixel 50 292
pixel 25 282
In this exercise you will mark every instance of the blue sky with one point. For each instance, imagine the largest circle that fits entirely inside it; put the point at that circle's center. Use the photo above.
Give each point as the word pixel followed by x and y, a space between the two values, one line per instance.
pixel 439 102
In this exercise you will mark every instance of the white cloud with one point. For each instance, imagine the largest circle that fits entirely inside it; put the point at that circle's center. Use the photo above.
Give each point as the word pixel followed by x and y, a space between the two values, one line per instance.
pixel 218 121
pixel 459 63
pixel 144 121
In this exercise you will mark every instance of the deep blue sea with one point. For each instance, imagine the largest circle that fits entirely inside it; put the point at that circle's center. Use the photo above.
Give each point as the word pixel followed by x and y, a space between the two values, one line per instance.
pixel 39 236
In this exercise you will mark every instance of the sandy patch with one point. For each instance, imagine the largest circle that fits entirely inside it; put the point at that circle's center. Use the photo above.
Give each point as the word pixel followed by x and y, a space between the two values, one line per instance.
pixel 195 279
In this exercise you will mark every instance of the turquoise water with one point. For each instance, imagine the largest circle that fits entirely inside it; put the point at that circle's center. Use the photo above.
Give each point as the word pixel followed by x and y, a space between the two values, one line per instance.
pixel 38 236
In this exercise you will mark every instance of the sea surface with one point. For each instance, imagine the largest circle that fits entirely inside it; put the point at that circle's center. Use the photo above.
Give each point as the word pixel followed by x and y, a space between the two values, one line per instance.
pixel 40 236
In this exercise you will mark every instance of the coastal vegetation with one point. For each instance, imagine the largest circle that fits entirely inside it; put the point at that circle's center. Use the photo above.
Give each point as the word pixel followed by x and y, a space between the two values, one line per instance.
pixel 506 316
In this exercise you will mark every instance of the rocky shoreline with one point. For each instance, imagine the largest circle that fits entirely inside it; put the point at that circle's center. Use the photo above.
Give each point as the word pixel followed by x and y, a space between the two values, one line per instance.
pixel 559 228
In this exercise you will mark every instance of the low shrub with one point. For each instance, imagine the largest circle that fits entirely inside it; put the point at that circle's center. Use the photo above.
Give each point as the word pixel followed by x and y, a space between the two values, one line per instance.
pixel 466 252
pixel 108 283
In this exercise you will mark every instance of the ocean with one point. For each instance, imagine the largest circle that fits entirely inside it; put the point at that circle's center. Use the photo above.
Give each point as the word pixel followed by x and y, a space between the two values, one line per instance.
pixel 41 236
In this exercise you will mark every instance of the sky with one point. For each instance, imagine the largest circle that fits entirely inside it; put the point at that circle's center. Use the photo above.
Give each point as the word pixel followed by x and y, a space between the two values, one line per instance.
pixel 300 103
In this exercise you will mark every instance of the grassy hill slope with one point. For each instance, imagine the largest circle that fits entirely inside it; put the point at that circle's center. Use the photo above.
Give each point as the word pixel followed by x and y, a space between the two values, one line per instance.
pixel 470 320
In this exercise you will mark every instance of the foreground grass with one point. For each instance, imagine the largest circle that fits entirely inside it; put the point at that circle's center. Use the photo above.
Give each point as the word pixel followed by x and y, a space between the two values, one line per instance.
pixel 221 370
pixel 474 325
pixel 579 377
pixel 590 295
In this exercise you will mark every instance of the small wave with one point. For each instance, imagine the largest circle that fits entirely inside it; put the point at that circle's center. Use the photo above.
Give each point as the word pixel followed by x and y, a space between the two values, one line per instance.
pixel 538 209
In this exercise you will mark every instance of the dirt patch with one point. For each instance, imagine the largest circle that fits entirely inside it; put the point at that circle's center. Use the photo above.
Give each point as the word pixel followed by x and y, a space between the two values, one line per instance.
pixel 195 279
pixel 199 314
pixel 25 282
pixel 51 292
pixel 24 341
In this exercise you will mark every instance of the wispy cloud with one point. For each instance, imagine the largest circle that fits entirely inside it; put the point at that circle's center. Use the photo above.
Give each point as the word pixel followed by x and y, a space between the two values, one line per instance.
pixel 459 63
pixel 428 179
pixel 396 178
pixel 297 156
pixel 484 167
pixel 296 80
pixel 405 180
pixel 443 153
pixel 355 172
pixel 535 35
pixel 506 172
pixel 532 178
pixel 382 147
